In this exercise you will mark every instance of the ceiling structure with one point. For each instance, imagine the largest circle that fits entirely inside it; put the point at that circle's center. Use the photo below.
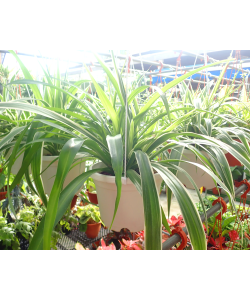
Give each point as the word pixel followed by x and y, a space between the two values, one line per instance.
pixel 145 61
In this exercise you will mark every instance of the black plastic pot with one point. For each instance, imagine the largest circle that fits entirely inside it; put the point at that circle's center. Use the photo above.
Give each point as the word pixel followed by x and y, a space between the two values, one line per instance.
pixel 24 244
pixel 66 231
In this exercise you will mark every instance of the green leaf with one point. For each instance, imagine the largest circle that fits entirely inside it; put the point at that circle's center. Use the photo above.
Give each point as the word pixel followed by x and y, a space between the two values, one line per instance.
pixel 36 165
pixel 66 159
pixel 11 135
pixel 111 77
pixel 151 203
pixel 50 114
pixel 228 221
pixel 84 219
pixel 122 88
pixel 217 85
pixel 58 93
pixel 27 75
pixel 164 221
pixel 10 164
pixel 83 227
pixel 164 99
pixel 188 209
pixel 106 103
pixel 136 180
pixel 135 92
pixel 130 137
pixel 116 152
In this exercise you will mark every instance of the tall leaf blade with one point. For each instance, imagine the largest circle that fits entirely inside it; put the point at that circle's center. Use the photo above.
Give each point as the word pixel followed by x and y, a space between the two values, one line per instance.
pixel 122 88
pixel 116 152
pixel 111 77
pixel 27 75
pixel 106 103
pixel 151 203
pixel 136 180
pixel 188 209
pixel 66 159
pixel 36 170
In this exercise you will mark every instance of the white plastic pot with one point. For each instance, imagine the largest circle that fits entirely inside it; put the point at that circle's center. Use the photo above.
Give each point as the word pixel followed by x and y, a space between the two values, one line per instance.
pixel 17 164
pixel 48 177
pixel 130 213
pixel 200 177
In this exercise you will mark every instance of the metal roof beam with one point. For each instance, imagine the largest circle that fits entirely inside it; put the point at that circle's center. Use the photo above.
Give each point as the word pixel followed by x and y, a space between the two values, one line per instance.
pixel 210 59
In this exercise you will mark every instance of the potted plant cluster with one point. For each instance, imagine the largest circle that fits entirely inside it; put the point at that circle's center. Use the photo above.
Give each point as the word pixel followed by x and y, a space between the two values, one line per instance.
pixel 234 232
pixel 213 120
pixel 127 140
pixel 17 233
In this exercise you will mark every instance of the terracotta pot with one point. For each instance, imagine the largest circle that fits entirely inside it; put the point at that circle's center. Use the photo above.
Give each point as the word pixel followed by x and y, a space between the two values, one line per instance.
pixel 3 195
pixel 215 191
pixel 92 197
pixel 93 230
pixel 233 162
pixel 73 203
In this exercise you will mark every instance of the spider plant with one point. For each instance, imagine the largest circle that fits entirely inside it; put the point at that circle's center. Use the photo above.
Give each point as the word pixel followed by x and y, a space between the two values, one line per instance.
pixel 102 135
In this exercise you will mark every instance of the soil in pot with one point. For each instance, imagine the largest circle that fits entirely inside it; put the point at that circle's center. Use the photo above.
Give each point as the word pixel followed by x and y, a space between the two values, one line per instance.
pixel 93 229
pixel 92 197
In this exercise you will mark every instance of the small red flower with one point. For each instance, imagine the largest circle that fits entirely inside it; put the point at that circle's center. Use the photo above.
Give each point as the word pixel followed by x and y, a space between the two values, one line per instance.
pixel 217 241
pixel 105 247
pixel 130 245
pixel 175 222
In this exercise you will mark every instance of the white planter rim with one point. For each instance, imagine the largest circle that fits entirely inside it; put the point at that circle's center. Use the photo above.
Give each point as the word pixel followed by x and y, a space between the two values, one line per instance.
pixel 108 178
pixel 51 158
pixel 187 151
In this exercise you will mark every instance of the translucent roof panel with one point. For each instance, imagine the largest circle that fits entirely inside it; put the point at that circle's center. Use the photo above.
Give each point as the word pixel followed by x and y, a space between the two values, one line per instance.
pixel 68 59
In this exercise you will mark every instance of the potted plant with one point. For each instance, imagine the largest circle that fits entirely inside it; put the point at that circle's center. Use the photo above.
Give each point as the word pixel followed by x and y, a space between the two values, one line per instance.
pixel 212 119
pixel 90 220
pixel 44 165
pixel 128 170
